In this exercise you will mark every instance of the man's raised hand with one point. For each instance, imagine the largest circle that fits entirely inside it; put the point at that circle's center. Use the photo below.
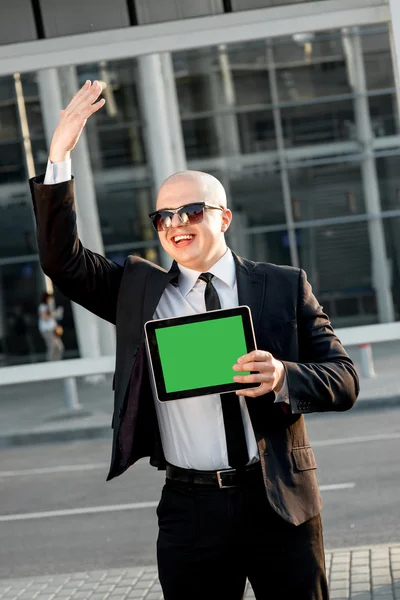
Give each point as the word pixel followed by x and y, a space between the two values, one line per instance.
pixel 73 120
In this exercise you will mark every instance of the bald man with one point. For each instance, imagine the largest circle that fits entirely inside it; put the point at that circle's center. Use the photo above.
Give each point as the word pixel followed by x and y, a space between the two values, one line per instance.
pixel 241 498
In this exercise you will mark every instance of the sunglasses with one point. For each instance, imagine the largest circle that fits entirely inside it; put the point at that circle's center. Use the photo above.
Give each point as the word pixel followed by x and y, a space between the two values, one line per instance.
pixel 189 214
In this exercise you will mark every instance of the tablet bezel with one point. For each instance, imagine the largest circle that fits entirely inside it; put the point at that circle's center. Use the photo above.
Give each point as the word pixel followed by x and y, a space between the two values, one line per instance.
pixel 154 356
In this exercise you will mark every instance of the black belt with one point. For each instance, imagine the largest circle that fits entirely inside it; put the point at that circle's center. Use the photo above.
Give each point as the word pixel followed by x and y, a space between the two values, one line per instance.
pixel 221 479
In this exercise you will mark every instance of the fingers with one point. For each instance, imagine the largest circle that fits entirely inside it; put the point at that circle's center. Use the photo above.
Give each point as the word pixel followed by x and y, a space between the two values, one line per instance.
pixel 95 107
pixel 255 356
pixel 261 368
pixel 258 360
pixel 79 95
pixel 267 378
pixel 83 100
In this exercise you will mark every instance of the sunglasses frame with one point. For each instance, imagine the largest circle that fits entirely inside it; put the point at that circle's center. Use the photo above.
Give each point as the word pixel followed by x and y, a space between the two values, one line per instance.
pixel 173 211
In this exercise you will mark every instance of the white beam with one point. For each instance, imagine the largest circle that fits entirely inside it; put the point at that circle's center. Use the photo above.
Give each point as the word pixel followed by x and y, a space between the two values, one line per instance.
pixel 190 33
pixel 369 334
pixel 61 369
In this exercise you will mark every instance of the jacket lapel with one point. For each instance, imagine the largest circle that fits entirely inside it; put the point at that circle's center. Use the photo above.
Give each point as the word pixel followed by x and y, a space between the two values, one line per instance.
pixel 251 288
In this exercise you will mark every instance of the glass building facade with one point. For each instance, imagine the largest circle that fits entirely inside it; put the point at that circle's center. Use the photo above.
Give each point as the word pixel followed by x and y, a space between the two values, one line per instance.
pixel 302 130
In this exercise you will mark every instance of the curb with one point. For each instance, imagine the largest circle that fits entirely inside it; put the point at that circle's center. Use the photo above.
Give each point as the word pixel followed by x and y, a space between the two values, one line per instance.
pixel 51 436
pixel 377 403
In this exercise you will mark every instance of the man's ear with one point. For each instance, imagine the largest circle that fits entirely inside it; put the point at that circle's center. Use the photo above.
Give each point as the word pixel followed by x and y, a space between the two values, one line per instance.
pixel 226 219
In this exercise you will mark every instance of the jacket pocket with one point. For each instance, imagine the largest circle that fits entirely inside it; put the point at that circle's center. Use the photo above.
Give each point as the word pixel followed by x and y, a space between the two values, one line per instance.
pixel 304 458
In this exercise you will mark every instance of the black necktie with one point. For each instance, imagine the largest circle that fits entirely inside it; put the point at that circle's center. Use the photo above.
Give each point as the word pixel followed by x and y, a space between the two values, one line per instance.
pixel 234 431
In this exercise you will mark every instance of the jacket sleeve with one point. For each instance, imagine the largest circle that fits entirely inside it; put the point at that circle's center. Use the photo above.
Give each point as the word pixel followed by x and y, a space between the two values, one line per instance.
pixel 325 378
pixel 85 277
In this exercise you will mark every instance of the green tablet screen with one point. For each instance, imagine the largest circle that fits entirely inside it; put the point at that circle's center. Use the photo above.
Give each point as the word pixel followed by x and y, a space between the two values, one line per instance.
pixel 198 355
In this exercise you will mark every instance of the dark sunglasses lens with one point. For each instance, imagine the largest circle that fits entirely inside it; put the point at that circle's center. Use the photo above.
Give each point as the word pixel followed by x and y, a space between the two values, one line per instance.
pixel 192 214
pixel 161 221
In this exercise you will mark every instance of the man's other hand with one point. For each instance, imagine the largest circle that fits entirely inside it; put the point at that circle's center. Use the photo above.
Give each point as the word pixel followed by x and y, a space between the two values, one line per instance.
pixel 266 370
pixel 73 120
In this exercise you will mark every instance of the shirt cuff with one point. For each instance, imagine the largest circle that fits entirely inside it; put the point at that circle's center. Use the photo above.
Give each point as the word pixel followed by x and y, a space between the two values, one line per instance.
pixel 283 395
pixel 58 172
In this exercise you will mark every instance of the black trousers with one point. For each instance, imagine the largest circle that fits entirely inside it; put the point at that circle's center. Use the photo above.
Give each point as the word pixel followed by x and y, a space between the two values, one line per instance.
pixel 211 540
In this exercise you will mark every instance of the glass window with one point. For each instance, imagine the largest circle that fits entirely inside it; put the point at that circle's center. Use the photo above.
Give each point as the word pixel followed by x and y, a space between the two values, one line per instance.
pixel 389 182
pixel 200 137
pixel 377 58
pixel 115 136
pixel 392 234
pixel 311 124
pixel 272 247
pixel 9 122
pixel 256 131
pixel 337 260
pixel 326 191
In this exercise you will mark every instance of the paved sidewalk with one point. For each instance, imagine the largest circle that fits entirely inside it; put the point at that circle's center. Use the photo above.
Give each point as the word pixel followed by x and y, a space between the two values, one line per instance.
pixel 36 413
pixel 368 573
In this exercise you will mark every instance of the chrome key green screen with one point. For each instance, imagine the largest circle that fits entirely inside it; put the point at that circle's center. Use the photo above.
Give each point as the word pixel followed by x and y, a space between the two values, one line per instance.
pixel 198 355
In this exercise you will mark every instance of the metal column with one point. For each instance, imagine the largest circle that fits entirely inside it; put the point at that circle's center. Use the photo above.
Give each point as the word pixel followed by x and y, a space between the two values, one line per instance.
pixel 163 131
pixel 380 266
pixel 395 44
pixel 287 196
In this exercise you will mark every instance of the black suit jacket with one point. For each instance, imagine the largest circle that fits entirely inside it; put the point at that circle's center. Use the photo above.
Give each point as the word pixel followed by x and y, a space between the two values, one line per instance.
pixel 288 322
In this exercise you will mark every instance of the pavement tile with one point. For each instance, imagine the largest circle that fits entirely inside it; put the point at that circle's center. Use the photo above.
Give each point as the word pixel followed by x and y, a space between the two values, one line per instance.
pixel 377 581
pixel 362 586
pixel 338 595
pixel 104 588
pixel 356 578
pixel 143 585
pixel 349 580
pixel 360 570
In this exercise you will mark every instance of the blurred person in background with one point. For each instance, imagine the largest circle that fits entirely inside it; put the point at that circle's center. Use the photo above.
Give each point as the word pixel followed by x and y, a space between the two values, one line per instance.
pixel 241 498
pixel 49 327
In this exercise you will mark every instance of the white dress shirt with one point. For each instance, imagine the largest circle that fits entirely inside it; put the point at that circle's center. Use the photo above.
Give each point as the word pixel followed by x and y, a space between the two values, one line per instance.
pixel 192 430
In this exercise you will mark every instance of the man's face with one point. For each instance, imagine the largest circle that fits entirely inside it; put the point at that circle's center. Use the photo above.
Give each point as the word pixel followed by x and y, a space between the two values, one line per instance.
pixel 203 244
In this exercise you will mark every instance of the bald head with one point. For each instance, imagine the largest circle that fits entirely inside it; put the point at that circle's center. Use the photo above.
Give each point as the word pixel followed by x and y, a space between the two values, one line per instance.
pixel 208 188
pixel 200 243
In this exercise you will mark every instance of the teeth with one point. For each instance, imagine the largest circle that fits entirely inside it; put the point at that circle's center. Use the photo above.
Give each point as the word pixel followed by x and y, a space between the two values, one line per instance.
pixel 178 238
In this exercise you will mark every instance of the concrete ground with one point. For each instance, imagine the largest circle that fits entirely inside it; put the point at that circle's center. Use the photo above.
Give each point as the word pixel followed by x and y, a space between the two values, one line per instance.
pixel 33 414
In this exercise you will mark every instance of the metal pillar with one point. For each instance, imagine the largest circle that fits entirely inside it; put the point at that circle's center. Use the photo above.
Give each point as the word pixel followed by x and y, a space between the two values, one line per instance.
pixel 172 106
pixel 88 326
pixel 395 46
pixel 287 196
pixel 380 267
pixel 160 110
pixel 71 397
pixel 366 361
pixel 2 320
pixel 229 119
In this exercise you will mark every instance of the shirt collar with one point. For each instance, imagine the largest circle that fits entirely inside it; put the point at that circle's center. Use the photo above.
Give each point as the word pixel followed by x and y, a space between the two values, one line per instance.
pixel 224 269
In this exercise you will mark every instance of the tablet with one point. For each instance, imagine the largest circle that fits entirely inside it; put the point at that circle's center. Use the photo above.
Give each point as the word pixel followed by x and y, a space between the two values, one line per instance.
pixel 194 355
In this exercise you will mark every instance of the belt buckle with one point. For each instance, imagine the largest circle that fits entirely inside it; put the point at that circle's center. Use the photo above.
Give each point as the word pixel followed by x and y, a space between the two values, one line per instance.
pixel 219 478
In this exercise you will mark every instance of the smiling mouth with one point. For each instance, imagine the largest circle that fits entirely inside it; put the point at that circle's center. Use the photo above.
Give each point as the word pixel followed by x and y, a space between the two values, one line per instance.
pixel 182 240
